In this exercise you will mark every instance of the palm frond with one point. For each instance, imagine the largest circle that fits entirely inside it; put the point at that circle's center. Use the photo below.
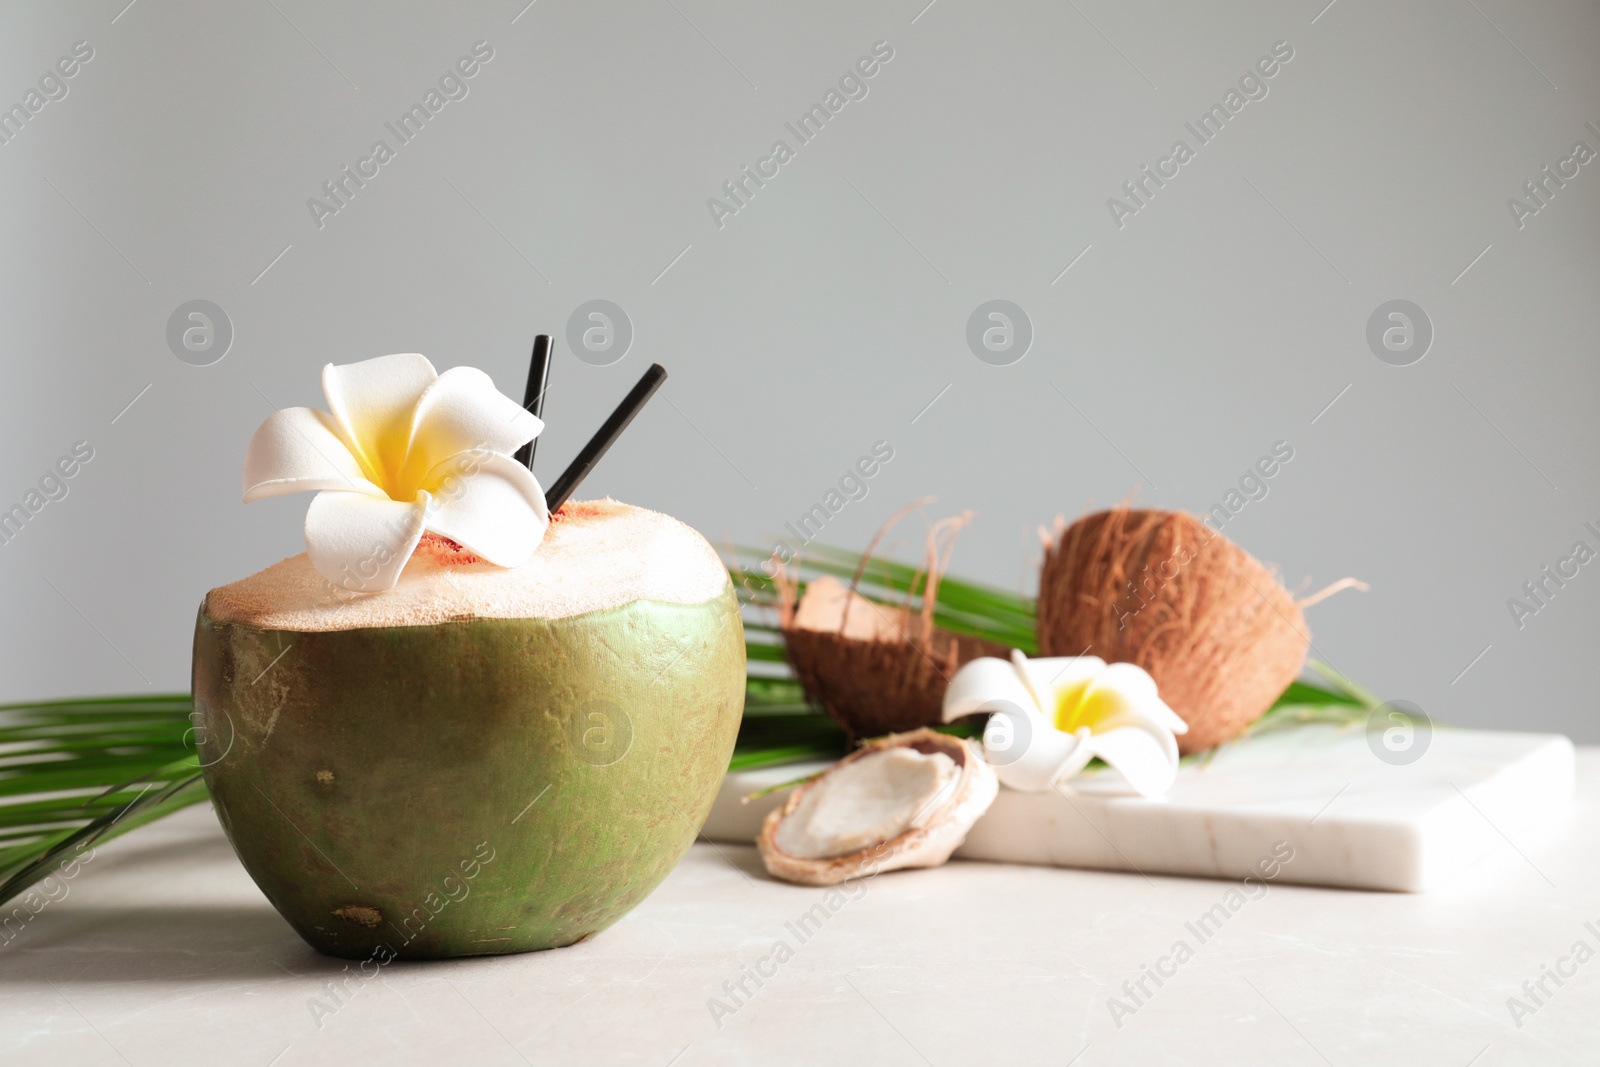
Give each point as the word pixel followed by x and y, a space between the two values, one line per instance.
pixel 963 607
pixel 74 773
pixel 781 727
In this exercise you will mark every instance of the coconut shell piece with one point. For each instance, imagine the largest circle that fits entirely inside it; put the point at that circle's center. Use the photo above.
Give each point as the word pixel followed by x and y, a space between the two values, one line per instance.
pixel 877 669
pixel 878 677
pixel 928 844
pixel 1216 629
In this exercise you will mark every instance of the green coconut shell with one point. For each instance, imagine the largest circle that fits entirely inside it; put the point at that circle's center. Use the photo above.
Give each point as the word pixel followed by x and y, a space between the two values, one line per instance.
pixel 475 786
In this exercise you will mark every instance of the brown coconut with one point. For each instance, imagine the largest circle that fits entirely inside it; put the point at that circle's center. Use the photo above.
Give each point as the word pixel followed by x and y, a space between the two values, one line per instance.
pixel 877 669
pixel 1215 628
pixel 928 844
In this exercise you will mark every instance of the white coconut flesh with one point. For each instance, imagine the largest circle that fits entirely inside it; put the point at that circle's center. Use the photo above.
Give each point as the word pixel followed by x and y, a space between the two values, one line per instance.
pixel 828 603
pixel 595 555
pixel 868 801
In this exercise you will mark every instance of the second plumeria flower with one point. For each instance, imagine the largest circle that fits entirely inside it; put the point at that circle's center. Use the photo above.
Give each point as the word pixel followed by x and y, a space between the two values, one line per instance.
pixel 402 451
pixel 1049 717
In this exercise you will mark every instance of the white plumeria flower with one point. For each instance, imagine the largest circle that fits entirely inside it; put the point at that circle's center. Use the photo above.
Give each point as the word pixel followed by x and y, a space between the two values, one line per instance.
pixel 406 451
pixel 1050 717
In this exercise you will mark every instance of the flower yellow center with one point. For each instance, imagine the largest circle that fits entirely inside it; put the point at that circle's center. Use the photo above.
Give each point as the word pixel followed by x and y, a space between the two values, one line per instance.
pixel 1078 706
pixel 400 464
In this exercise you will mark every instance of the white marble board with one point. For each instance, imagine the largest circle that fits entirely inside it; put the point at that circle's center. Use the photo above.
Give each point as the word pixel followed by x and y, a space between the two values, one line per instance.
pixel 1351 819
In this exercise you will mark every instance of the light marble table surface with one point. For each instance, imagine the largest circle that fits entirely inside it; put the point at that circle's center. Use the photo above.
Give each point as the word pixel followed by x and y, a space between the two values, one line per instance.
pixel 164 952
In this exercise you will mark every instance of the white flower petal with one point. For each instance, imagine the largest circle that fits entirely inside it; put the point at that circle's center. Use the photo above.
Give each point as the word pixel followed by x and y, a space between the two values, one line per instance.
pixel 1127 724
pixel 361 543
pixel 297 449
pixel 489 504
pixel 1137 696
pixel 1028 753
pixel 1146 756
pixel 462 411
pixel 373 401
pixel 984 681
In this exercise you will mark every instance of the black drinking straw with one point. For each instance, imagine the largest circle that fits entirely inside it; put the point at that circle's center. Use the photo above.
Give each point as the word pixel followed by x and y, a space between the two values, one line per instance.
pixel 533 395
pixel 605 437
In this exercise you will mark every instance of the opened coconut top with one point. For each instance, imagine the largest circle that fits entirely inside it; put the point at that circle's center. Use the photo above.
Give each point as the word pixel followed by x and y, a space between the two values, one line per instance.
pixel 595 555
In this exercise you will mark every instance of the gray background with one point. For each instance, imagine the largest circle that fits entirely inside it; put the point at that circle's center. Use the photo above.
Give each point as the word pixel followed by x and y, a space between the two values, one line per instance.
pixel 828 313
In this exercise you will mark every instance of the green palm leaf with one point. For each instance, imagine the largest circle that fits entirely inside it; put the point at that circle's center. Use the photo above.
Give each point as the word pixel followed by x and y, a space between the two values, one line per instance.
pixel 75 773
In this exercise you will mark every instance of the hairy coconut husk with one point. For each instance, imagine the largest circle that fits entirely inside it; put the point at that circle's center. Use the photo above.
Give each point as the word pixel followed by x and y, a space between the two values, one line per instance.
pixel 873 688
pixel 1215 628
pixel 927 845
pixel 877 670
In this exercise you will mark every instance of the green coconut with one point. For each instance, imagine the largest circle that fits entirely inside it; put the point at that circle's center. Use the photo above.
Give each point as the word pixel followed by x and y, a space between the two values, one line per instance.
pixel 479 760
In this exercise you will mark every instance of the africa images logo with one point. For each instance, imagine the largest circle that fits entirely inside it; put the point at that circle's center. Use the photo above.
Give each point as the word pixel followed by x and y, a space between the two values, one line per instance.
pixel 454 84
pixel 1142 187
pixel 52 86
pixel 740 190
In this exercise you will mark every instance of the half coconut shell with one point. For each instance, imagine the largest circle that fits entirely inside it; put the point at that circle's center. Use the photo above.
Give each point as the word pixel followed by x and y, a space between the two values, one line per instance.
pixel 877 669
pixel 873 669
pixel 928 842
pixel 1214 627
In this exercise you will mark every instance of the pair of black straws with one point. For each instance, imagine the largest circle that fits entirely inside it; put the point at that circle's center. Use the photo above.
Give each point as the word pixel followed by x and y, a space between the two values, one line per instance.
pixel 604 437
